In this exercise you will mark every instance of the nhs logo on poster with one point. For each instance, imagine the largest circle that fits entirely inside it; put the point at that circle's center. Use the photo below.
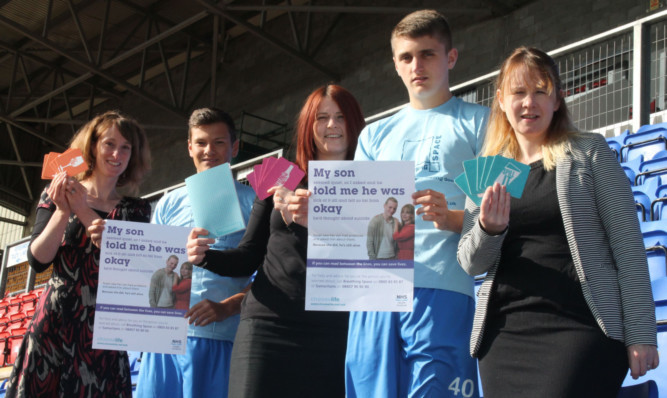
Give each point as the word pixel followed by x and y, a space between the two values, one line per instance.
pixel 401 300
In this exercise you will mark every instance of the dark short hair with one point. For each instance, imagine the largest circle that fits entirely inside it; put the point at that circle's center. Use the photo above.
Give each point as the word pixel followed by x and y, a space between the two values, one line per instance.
pixel 424 23
pixel 207 116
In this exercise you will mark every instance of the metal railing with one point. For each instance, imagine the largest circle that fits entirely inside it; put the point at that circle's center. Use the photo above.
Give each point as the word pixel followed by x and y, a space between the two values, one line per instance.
pixel 599 74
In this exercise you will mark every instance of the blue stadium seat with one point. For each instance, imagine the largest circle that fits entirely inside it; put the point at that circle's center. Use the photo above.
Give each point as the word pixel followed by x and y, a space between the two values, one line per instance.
pixel 654 233
pixel 657 262
pixel 647 389
pixel 644 196
pixel 647 141
pixel 658 211
pixel 659 287
pixel 650 127
pixel 616 143
pixel 660 154
pixel 631 168
pixel 642 202
pixel 134 359
pixel 650 169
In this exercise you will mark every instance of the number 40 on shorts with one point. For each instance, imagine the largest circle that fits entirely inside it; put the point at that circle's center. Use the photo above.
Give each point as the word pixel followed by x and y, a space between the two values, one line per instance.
pixel 466 389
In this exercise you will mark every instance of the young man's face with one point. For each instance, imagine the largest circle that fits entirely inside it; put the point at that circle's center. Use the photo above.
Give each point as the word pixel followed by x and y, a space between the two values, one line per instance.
pixel 390 208
pixel 423 64
pixel 211 145
pixel 171 265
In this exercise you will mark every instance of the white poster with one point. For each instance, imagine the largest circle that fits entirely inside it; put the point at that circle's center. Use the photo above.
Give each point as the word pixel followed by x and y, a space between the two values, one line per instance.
pixel 18 254
pixel 354 214
pixel 141 270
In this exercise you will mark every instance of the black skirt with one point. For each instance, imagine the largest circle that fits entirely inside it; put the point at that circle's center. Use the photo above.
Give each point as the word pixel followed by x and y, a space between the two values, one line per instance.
pixel 537 354
pixel 287 358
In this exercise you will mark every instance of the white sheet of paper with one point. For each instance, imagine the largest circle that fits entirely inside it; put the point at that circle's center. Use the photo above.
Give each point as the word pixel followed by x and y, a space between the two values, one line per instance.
pixel 131 253
pixel 346 195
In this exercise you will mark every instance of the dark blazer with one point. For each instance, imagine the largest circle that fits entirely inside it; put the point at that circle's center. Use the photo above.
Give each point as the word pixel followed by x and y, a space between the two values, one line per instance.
pixel 604 237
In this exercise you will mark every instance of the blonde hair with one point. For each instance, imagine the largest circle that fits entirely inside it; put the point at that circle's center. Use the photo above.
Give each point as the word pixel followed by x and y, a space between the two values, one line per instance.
pixel 501 138
pixel 140 159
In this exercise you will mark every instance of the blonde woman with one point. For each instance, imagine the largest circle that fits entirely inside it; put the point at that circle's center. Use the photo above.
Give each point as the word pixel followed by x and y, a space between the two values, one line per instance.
pixel 566 304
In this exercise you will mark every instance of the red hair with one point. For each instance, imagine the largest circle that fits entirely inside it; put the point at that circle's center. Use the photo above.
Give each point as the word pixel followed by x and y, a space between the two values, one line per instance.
pixel 305 131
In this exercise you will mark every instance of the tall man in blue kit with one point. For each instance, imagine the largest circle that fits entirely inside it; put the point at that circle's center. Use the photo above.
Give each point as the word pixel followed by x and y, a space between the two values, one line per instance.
pixel 423 353
pixel 215 301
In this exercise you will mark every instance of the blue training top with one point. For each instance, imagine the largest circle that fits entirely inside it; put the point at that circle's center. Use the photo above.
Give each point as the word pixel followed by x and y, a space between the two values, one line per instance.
pixel 438 140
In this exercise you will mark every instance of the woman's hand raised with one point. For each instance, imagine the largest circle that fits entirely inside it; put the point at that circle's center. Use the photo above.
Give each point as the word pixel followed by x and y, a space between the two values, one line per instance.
pixel 494 214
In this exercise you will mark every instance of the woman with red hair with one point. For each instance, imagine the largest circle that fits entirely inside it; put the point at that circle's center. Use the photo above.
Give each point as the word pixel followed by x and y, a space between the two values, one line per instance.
pixel 280 349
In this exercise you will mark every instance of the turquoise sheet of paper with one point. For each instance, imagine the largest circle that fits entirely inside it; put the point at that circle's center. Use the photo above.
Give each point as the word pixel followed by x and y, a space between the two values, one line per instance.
pixel 470 168
pixel 488 170
pixel 513 175
pixel 462 182
pixel 215 205
pixel 481 167
pixel 496 168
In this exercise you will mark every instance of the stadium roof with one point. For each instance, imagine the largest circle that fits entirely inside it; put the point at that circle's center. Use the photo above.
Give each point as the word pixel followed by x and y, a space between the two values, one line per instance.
pixel 60 59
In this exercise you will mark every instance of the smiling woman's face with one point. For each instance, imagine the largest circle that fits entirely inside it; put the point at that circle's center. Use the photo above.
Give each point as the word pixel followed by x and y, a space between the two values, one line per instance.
pixel 330 131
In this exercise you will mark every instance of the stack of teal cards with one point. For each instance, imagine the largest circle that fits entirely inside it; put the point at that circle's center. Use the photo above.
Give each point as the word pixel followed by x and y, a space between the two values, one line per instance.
pixel 482 172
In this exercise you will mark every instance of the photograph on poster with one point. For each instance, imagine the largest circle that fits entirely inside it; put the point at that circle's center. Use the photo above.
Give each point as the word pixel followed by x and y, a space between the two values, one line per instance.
pixel 170 287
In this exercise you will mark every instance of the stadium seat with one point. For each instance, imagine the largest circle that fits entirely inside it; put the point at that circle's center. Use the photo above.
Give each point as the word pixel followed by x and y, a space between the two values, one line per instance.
pixel 647 141
pixel 647 389
pixel 659 288
pixel 14 305
pixel 15 321
pixel 660 154
pixel 30 313
pixel 13 344
pixel 616 143
pixel 135 361
pixel 654 233
pixel 3 347
pixel 650 169
pixel 28 298
pixel 642 203
pixel 4 303
pixel 645 195
pixel 631 168
pixel 659 203
pixel 657 261
pixel 647 128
